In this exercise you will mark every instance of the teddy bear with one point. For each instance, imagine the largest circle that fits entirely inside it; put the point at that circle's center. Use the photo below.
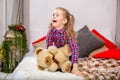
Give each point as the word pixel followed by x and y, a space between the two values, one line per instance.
pixel 54 58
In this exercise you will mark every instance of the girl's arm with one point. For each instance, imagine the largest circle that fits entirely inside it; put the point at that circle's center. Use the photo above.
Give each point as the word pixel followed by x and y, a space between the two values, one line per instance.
pixel 49 39
pixel 74 58
pixel 75 49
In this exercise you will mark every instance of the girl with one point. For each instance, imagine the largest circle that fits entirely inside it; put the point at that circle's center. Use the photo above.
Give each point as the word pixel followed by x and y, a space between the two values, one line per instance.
pixel 62 32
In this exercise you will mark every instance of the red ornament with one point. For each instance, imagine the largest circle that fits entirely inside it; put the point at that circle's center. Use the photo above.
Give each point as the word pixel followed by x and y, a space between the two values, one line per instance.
pixel 20 27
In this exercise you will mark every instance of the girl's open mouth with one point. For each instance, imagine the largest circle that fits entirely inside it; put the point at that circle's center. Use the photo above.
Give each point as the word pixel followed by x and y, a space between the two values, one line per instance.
pixel 54 21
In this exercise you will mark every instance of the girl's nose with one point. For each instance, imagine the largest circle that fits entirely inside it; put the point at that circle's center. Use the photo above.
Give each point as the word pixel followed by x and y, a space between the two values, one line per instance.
pixel 54 16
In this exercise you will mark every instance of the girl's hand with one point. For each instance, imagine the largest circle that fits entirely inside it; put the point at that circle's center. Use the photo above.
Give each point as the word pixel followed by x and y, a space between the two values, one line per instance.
pixel 75 70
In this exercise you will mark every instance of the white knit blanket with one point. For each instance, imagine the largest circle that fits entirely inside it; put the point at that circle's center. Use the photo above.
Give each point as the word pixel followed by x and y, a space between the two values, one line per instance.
pixel 28 70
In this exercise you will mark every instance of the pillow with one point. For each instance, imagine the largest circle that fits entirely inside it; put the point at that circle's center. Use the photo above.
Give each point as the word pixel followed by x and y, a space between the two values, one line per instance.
pixel 108 43
pixel 87 42
pixel 112 53
pixel 102 49
pixel 40 42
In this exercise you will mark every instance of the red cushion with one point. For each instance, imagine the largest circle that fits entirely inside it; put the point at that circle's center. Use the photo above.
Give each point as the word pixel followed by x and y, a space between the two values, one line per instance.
pixel 39 40
pixel 112 53
pixel 108 43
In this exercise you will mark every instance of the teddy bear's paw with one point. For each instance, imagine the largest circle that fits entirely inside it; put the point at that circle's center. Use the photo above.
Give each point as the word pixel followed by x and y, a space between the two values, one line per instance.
pixel 66 67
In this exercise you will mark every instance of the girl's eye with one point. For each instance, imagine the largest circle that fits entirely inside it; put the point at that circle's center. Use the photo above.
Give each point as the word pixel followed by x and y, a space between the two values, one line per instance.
pixel 53 14
pixel 57 15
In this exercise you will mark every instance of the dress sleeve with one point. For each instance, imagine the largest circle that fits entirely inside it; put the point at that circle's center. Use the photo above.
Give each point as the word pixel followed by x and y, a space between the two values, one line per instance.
pixel 49 39
pixel 75 50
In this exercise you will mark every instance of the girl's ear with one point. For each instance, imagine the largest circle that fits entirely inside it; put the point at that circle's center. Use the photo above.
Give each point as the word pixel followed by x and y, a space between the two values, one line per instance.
pixel 65 21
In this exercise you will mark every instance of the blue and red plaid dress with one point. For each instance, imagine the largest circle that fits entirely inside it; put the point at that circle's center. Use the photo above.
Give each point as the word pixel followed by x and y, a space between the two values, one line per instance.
pixel 57 38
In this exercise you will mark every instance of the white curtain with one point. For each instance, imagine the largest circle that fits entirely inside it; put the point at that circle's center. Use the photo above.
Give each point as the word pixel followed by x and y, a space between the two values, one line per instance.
pixel 21 15
pixel 18 11
pixel 117 37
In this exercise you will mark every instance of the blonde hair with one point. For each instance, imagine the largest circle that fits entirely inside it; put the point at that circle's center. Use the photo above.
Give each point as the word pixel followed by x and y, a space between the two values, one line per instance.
pixel 70 22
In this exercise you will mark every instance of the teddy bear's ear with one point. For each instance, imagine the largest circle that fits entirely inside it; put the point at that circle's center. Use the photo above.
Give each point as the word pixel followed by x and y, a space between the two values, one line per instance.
pixel 41 68
pixel 38 49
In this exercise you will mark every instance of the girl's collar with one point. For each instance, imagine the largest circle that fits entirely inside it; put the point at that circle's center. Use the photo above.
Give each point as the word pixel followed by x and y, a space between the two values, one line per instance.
pixel 61 30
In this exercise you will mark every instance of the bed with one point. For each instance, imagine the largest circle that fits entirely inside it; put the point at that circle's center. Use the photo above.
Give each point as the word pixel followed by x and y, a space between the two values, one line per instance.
pixel 93 69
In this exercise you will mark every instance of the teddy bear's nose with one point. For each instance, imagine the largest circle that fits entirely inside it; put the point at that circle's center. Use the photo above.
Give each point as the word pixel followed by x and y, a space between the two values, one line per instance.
pixel 48 60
